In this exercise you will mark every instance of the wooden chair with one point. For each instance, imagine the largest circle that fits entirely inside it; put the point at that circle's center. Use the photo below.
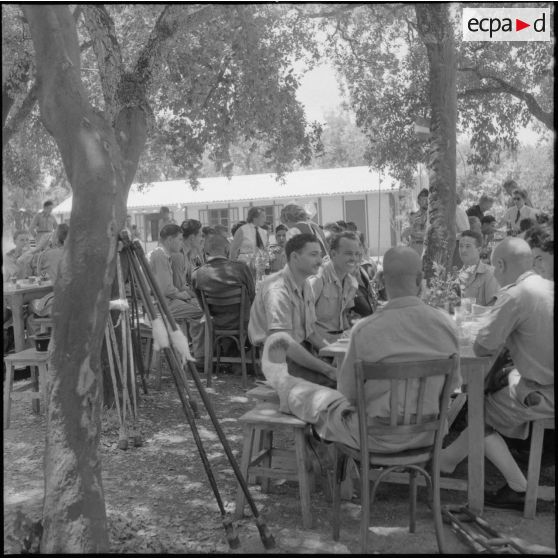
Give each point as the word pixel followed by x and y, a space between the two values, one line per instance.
pixel 237 299
pixel 407 393
pixel 262 459
pixel 38 361
pixel 533 473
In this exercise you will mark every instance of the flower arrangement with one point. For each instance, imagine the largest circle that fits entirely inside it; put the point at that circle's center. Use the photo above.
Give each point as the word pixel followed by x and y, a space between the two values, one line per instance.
pixel 444 290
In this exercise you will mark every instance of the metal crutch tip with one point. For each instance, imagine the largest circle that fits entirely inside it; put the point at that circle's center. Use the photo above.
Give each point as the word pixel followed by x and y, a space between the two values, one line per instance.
pixel 267 538
pixel 232 537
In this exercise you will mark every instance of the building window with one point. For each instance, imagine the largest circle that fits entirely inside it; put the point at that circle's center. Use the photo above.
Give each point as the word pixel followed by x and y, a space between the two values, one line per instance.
pixel 226 216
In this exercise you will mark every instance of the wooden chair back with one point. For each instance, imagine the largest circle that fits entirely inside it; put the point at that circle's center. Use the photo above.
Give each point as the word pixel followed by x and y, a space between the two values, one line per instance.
pixel 231 297
pixel 407 390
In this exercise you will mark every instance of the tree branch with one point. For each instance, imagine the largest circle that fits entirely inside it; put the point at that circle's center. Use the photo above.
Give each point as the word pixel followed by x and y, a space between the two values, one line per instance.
pixel 102 32
pixel 547 118
pixel 172 18
pixel 15 122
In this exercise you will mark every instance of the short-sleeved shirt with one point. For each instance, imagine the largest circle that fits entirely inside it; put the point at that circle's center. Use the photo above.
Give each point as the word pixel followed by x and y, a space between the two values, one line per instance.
pixel 481 285
pixel 160 264
pixel 405 329
pixel 510 217
pixel 281 305
pixel 523 320
pixel 333 298
pixel 43 223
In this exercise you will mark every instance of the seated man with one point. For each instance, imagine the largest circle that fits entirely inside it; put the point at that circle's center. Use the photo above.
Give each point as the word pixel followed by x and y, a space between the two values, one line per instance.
pixel 28 261
pixel 188 257
pixel 405 329
pixel 522 321
pixel 335 287
pixel 541 240
pixel 277 251
pixel 476 278
pixel 48 265
pixel 181 302
pixel 285 302
pixel 219 273
pixel 10 265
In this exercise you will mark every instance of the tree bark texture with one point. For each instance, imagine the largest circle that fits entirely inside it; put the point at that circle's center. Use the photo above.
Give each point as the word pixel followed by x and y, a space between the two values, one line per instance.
pixel 74 517
pixel 100 153
pixel 436 32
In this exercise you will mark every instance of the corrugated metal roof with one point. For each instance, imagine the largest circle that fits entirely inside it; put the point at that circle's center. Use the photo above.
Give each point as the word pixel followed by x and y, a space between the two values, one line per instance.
pixel 254 187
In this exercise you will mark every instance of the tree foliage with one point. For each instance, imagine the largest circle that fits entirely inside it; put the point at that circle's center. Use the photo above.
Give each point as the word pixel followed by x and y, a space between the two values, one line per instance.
pixel 501 87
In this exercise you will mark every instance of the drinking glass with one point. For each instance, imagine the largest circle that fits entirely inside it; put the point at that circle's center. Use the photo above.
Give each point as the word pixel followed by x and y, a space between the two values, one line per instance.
pixel 467 304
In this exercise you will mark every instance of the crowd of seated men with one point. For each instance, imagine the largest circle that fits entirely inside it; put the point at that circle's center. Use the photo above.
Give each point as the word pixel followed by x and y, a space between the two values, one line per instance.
pixel 41 261
pixel 319 287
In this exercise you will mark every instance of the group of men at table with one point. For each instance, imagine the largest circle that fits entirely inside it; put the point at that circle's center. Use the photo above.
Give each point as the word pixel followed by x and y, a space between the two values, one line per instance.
pixel 406 329
pixel 301 308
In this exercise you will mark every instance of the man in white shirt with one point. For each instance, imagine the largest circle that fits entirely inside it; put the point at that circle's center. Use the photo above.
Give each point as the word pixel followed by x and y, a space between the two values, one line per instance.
pixel 513 216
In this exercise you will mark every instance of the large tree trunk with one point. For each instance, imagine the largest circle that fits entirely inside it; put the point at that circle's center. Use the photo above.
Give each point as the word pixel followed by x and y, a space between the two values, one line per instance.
pixel 74 517
pixel 436 31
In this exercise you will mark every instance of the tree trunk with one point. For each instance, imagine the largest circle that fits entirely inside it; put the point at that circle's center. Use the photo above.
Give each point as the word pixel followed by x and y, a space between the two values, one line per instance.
pixel 436 31
pixel 74 517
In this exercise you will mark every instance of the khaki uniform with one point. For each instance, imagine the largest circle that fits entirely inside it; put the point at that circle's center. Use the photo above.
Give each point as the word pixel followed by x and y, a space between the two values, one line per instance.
pixel 523 320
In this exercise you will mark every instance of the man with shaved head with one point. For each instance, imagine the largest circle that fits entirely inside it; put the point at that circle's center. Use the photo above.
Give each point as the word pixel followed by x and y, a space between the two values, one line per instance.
pixel 521 320
pixel 405 329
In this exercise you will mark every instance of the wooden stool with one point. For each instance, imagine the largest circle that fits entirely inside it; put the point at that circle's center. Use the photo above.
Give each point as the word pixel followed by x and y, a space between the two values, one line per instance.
pixel 535 453
pixel 292 465
pixel 38 363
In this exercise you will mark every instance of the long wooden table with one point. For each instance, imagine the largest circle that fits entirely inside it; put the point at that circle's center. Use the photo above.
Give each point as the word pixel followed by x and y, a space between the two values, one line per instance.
pixel 15 298
pixel 473 371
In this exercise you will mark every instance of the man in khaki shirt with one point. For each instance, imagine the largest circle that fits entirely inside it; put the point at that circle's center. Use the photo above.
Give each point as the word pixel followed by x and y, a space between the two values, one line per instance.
pixel 285 302
pixel 405 329
pixel 335 287
pixel 522 320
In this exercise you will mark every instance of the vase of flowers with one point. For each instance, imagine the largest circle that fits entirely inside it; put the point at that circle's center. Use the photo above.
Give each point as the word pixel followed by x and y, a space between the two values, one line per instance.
pixel 444 290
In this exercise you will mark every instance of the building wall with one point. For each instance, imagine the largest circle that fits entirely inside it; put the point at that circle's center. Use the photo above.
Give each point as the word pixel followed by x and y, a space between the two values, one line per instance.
pixel 327 209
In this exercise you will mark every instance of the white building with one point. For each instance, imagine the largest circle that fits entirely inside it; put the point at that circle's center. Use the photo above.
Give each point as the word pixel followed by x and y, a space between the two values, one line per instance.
pixel 368 198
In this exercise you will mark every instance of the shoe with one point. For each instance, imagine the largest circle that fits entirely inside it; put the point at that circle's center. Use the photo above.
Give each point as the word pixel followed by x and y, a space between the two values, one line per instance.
pixel 505 498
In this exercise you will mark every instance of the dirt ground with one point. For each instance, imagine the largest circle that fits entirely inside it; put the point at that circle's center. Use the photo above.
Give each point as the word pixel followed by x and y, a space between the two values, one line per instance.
pixel 158 499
